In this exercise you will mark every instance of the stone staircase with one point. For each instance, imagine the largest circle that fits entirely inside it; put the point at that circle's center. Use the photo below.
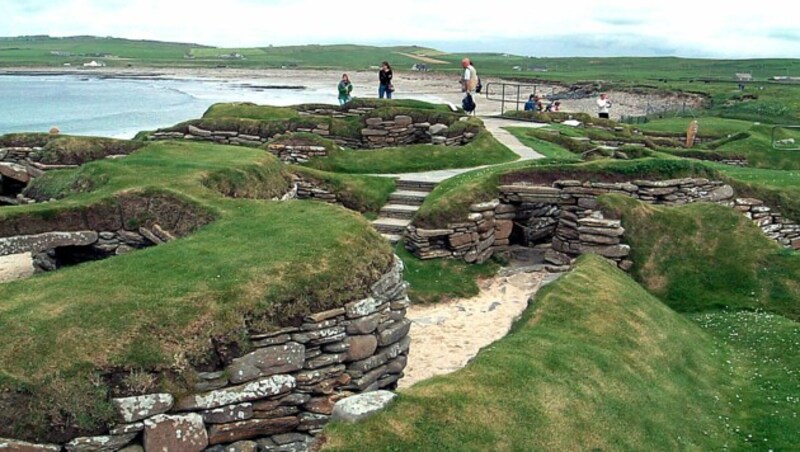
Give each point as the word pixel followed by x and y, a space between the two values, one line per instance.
pixel 403 205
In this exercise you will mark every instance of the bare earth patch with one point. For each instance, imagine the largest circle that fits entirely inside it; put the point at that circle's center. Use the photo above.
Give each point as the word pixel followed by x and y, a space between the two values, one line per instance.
pixel 446 336
pixel 16 266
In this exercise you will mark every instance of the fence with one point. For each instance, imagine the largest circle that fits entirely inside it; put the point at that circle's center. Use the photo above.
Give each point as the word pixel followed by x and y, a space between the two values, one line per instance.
pixel 515 94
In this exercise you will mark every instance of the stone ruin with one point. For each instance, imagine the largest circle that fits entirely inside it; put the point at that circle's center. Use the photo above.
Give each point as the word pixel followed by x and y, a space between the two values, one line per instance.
pixel 564 220
pixel 119 226
pixel 278 396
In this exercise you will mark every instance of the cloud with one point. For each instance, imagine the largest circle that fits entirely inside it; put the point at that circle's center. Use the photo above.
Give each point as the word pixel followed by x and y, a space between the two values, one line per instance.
pixel 612 27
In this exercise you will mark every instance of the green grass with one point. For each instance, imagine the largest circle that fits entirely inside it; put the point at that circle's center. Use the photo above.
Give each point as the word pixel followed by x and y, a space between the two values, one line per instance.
pixel 259 263
pixel 450 200
pixel 708 126
pixel 483 150
pixel 70 150
pixel 596 363
pixel 357 192
pixel 546 148
pixel 247 110
pixel 437 280
pixel 703 256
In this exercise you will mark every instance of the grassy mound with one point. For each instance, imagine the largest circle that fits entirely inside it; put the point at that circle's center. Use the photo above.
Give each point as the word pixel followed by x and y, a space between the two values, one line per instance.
pixel 483 150
pixel 704 256
pixel 356 192
pixel 596 363
pixel 450 201
pixel 150 312
pixel 70 150
pixel 247 110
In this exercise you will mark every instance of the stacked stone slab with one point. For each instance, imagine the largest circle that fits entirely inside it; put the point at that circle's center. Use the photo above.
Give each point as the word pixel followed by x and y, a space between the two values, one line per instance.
pixel 377 133
pixel 773 224
pixel 294 154
pixel 309 189
pixel 566 215
pixel 344 112
pixel 281 393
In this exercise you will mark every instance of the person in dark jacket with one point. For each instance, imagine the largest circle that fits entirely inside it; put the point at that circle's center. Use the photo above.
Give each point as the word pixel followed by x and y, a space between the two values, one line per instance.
pixel 385 88
pixel 345 89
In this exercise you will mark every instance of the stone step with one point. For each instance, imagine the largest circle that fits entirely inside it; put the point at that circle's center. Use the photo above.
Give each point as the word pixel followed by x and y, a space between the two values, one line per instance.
pixel 405 184
pixel 399 211
pixel 395 226
pixel 394 239
pixel 408 197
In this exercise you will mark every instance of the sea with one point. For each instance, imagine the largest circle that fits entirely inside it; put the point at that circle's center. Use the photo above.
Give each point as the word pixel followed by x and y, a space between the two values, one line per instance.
pixel 122 107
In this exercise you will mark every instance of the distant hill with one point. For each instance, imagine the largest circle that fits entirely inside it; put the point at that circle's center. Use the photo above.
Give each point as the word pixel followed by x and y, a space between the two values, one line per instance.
pixel 46 51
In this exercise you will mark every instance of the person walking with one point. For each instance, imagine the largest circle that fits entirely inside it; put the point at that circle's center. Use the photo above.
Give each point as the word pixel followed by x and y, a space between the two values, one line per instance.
pixel 345 89
pixel 385 86
pixel 604 106
pixel 469 82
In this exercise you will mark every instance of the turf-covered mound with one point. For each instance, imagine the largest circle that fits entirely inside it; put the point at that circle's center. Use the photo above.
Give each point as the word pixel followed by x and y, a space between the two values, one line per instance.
pixel 597 363
pixel 69 150
pixel 703 256
pixel 140 322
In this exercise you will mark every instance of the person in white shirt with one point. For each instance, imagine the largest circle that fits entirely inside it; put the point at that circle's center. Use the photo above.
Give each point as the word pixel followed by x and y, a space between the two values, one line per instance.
pixel 469 80
pixel 604 106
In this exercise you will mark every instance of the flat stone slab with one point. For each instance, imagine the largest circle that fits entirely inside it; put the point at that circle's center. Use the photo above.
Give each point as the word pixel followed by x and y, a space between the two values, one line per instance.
pixel 362 406
pixel 42 242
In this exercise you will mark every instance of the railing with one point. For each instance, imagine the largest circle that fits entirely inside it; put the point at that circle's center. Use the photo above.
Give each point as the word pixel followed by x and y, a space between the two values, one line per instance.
pixel 789 140
pixel 512 93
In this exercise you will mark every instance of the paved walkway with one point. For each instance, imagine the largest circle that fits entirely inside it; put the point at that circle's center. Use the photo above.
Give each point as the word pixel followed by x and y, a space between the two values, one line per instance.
pixel 495 127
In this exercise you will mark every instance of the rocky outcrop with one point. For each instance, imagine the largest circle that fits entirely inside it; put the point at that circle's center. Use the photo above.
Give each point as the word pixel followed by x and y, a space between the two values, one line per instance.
pixel 281 392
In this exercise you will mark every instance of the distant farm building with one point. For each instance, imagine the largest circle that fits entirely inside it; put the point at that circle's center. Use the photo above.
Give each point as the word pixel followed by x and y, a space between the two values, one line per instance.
pixel 420 67
pixel 744 77
pixel 94 63
pixel 785 78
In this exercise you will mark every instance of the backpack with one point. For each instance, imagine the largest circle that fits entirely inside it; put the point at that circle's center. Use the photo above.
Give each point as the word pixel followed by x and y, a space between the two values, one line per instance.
pixel 479 86
pixel 468 104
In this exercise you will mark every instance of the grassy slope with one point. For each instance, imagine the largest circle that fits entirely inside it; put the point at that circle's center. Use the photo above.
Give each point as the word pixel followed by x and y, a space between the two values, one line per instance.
pixel 596 363
pixel 258 260
pixel 546 148
pixel 704 256
pixel 483 150
pixel 436 280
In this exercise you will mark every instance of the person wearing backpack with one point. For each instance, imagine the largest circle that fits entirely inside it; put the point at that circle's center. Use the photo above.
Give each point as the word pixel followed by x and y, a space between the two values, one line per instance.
pixel 469 84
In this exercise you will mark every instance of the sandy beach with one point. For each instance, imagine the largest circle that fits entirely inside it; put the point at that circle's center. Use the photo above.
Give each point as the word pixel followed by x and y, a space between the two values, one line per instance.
pixel 431 86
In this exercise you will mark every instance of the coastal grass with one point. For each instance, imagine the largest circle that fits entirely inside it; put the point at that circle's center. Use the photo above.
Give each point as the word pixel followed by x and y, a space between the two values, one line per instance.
pixel 70 150
pixel 595 363
pixel 437 280
pixel 258 264
pixel 483 150
pixel 247 110
pixel 706 256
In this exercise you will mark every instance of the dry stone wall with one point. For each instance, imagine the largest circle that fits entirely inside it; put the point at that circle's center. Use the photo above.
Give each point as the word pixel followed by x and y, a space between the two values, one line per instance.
pixel 566 216
pixel 376 133
pixel 278 396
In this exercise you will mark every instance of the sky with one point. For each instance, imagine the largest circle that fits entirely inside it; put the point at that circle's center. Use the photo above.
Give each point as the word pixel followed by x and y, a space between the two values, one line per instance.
pixel 569 28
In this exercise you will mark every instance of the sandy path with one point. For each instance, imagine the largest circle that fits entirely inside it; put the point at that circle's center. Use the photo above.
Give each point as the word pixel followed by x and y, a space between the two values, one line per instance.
pixel 14 267
pixel 445 337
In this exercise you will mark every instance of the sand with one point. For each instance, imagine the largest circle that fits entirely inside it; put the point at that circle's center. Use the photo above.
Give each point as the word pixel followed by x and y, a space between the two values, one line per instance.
pixel 446 336
pixel 16 266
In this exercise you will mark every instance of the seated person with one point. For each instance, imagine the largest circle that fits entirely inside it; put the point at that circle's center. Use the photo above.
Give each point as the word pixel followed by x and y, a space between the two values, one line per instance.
pixel 554 107
pixel 530 105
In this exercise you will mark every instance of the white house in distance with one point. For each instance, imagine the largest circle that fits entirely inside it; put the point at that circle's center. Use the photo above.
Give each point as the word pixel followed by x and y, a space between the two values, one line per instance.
pixel 94 63
pixel 744 76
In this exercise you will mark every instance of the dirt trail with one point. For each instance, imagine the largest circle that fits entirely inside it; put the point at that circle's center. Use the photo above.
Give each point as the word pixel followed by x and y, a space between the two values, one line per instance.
pixel 446 336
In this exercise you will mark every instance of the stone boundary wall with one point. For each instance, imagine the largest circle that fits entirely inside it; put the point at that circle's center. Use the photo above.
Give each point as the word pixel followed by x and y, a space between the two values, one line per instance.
pixel 377 133
pixel 566 216
pixel 22 165
pixel 296 153
pixel 279 395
